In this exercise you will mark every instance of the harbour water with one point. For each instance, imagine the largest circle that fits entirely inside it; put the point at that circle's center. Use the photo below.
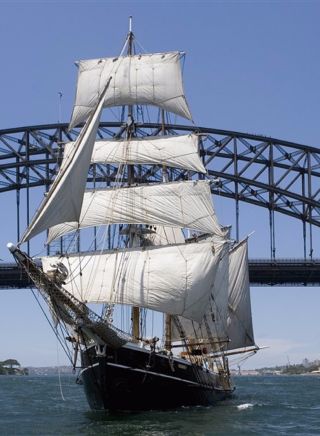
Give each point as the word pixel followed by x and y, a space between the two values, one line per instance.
pixel 275 405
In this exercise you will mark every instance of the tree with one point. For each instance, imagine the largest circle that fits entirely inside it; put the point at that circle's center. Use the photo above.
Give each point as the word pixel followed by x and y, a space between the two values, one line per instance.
pixel 11 363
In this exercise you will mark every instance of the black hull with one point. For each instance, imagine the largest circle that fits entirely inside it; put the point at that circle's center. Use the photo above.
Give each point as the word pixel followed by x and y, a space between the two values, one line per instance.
pixel 133 378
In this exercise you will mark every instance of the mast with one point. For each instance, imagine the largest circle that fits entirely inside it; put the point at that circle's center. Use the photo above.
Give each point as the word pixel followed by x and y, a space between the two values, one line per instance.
pixel 168 318
pixel 135 311
pixel 130 52
pixel 168 332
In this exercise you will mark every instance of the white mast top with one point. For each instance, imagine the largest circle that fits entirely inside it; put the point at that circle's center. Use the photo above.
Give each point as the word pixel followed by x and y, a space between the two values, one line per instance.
pixel 130 24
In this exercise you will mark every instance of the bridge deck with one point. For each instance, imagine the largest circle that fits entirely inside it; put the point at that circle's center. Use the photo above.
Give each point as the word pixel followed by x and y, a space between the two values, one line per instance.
pixel 284 272
pixel 262 272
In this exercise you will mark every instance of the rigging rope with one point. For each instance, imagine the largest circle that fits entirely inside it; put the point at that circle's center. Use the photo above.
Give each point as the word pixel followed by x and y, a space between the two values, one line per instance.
pixel 65 349
pixel 59 370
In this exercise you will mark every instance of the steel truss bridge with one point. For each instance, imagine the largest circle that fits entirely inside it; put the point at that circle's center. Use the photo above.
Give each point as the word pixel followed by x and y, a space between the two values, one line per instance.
pixel 277 175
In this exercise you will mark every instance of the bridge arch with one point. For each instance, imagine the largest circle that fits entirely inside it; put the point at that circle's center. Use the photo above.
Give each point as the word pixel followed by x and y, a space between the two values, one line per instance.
pixel 280 176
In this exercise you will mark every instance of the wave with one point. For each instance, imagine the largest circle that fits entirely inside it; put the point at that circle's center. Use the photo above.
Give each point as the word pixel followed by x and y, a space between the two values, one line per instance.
pixel 245 406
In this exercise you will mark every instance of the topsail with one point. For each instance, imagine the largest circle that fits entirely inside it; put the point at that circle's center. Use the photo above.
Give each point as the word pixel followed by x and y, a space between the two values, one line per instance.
pixel 178 204
pixel 152 79
pixel 178 151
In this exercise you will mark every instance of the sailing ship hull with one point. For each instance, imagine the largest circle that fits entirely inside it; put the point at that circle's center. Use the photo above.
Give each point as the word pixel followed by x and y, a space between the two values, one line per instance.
pixel 133 378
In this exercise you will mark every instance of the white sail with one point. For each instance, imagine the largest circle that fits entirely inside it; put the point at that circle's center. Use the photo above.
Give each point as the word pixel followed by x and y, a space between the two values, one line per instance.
pixel 176 204
pixel 213 327
pixel 64 200
pixel 150 235
pixel 174 279
pixel 164 235
pixel 179 151
pixel 240 329
pixel 153 79
pixel 231 308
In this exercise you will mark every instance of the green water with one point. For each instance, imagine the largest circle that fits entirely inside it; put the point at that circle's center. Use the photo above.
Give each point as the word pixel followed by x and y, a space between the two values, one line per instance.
pixel 262 406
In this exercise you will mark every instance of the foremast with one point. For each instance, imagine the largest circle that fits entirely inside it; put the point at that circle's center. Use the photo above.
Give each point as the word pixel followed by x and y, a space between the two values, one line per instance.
pixel 135 311
pixel 167 317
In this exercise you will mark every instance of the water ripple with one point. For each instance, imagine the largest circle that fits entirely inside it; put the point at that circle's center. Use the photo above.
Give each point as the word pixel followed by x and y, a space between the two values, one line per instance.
pixel 263 406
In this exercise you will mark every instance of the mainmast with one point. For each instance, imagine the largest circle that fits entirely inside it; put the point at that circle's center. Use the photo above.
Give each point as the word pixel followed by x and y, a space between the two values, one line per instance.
pixel 135 311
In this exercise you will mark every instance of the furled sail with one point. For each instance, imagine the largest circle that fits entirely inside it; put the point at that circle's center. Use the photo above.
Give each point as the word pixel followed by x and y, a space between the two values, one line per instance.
pixel 63 201
pixel 212 329
pixel 152 79
pixel 179 151
pixel 239 322
pixel 174 279
pixel 176 204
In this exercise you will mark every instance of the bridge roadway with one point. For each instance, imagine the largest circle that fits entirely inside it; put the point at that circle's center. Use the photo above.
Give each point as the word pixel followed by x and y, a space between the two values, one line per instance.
pixel 262 272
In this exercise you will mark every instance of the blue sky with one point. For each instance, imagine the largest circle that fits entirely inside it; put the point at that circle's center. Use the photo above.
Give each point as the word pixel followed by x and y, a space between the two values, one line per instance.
pixel 251 66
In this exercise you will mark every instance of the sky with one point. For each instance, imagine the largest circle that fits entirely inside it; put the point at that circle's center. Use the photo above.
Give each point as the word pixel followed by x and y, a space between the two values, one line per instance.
pixel 251 66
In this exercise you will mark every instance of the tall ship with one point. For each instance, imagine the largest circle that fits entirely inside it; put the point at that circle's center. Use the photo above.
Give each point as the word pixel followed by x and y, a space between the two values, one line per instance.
pixel 154 297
